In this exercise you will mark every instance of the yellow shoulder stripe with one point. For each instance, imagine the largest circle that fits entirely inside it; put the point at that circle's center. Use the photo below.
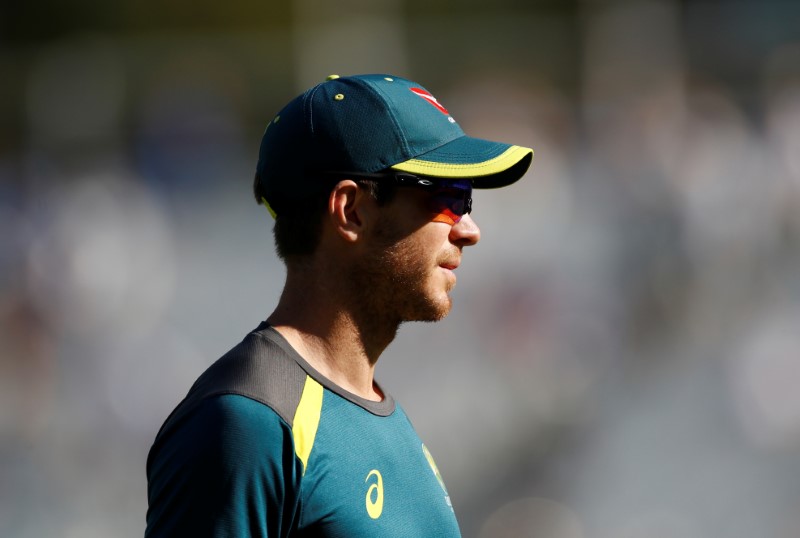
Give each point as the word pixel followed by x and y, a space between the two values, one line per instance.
pixel 306 420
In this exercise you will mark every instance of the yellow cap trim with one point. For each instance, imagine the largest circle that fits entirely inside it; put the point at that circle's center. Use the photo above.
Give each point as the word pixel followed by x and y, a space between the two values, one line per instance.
pixel 269 207
pixel 502 162
pixel 306 420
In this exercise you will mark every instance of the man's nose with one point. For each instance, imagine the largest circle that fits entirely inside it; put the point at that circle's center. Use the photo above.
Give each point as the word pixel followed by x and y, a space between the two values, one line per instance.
pixel 465 232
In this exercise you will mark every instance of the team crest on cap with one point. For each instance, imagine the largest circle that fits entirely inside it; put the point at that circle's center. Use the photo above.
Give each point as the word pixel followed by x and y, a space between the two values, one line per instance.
pixel 432 100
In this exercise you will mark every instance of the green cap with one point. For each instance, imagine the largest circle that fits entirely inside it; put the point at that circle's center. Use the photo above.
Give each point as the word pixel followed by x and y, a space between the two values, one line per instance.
pixel 370 123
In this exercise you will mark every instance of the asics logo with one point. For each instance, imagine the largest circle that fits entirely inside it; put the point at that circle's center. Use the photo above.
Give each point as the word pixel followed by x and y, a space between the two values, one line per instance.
pixel 374 499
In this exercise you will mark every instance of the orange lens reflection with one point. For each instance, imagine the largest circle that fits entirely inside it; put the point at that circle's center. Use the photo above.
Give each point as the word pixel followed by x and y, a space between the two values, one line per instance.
pixel 446 216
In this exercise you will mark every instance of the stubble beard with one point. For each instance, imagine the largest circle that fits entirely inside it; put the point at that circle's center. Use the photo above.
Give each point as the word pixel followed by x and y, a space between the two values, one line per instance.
pixel 398 285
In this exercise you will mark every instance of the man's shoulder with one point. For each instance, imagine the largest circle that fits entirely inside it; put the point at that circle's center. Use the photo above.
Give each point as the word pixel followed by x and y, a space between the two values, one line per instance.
pixel 228 442
pixel 261 367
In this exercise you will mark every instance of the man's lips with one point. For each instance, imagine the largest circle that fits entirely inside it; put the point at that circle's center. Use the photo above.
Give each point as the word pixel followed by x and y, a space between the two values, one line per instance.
pixel 450 265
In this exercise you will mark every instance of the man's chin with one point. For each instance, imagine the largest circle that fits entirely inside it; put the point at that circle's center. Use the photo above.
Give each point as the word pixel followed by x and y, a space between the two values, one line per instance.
pixel 433 311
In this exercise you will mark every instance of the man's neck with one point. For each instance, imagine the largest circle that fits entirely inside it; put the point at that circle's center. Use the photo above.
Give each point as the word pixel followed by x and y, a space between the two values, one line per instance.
pixel 340 344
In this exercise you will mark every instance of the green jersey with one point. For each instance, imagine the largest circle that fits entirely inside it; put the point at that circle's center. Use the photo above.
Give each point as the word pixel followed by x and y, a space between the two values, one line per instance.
pixel 263 445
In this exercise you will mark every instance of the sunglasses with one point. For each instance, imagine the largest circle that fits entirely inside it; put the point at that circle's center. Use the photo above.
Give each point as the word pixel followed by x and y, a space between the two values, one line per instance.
pixel 448 200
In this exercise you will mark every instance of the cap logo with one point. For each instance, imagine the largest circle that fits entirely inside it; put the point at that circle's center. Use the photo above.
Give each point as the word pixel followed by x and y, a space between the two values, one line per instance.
pixel 431 99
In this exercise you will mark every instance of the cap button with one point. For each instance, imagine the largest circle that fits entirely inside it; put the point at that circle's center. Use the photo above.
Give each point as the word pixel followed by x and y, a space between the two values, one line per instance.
pixel 331 77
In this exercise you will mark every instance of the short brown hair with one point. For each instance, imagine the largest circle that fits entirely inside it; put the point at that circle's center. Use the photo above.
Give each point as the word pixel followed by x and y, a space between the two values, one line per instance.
pixel 298 221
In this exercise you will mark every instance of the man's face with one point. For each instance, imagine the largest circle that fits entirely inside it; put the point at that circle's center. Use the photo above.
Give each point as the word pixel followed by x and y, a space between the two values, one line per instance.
pixel 407 272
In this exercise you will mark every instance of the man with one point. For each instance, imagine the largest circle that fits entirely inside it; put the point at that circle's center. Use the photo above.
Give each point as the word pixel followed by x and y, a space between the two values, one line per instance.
pixel 369 179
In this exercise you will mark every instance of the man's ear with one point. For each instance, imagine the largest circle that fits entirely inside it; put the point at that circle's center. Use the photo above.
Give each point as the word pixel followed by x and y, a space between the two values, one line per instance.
pixel 349 209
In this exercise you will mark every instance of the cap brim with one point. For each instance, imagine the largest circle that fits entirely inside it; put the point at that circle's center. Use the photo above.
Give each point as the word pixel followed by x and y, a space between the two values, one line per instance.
pixel 488 164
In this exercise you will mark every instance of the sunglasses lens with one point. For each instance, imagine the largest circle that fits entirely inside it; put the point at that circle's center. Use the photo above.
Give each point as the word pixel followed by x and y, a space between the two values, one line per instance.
pixel 446 216
pixel 449 204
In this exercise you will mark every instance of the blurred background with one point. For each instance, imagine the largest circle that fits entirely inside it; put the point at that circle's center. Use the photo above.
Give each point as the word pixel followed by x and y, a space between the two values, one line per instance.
pixel 623 358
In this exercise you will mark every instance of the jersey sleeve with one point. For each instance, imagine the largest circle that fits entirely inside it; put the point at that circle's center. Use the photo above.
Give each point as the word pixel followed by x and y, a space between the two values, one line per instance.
pixel 228 469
